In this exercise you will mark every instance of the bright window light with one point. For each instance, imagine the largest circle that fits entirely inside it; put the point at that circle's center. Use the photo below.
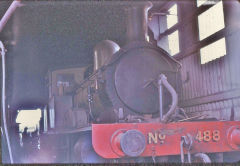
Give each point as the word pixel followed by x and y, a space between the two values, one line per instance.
pixel 213 51
pixel 28 119
pixel 173 43
pixel 206 2
pixel 172 18
pixel 211 21
pixel 200 2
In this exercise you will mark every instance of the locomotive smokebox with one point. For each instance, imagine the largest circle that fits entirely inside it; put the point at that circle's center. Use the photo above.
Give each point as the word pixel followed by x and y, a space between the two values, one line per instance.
pixel 137 15
pixel 134 69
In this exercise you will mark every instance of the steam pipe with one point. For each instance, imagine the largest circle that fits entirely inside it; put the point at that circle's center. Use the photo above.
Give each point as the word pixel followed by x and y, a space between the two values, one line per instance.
pixel 160 99
pixel 163 80
pixel 3 101
pixel 137 15
pixel 8 14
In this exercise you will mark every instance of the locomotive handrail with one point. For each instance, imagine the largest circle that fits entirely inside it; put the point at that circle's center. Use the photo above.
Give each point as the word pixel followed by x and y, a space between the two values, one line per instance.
pixel 94 74
pixel 2 49
pixel 163 80
pixel 9 12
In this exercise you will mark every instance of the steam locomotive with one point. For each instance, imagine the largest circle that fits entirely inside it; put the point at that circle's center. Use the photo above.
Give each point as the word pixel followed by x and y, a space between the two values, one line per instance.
pixel 124 107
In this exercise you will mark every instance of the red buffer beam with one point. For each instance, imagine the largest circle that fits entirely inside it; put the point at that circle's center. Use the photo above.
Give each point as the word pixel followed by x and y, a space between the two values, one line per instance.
pixel 146 139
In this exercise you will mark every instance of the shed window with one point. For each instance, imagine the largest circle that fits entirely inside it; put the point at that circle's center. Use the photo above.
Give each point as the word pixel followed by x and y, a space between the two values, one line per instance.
pixel 172 17
pixel 210 22
pixel 205 2
pixel 168 27
pixel 213 51
pixel 173 38
pixel 173 43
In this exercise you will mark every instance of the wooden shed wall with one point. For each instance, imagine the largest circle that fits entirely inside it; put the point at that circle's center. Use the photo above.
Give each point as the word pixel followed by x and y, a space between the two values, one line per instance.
pixel 212 89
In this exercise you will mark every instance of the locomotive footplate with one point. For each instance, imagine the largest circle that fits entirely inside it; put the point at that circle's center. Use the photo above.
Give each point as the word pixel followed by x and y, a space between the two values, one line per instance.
pixel 158 139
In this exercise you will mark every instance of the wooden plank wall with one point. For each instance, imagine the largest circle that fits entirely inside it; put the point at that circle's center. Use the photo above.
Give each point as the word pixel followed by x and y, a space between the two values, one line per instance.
pixel 216 77
pixel 209 79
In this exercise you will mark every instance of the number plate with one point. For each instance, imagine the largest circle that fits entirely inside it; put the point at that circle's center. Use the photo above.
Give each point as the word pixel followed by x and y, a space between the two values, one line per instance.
pixel 208 135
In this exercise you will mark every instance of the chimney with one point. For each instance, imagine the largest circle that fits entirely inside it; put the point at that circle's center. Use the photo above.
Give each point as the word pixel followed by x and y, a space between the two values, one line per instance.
pixel 137 17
